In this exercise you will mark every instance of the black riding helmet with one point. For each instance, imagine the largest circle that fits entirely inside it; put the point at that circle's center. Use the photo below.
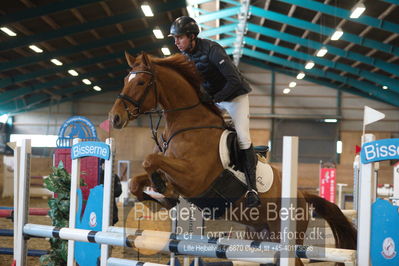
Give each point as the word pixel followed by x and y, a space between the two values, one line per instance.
pixel 184 25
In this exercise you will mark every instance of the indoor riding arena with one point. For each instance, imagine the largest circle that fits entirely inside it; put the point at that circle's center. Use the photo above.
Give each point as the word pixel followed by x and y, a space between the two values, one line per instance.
pixel 199 132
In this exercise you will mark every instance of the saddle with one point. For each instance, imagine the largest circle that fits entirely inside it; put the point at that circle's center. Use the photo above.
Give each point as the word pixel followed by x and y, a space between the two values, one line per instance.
pixel 231 184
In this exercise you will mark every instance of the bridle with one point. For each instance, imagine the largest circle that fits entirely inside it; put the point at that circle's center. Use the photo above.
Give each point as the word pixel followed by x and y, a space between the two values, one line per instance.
pixel 155 110
pixel 137 104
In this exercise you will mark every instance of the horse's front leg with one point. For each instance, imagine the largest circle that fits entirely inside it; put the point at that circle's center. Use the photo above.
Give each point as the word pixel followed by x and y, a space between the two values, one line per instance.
pixel 138 184
pixel 177 169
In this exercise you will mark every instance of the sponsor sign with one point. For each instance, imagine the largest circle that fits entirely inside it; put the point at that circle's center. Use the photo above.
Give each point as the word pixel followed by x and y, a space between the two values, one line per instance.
pixel 90 148
pixel 380 150
pixel 328 183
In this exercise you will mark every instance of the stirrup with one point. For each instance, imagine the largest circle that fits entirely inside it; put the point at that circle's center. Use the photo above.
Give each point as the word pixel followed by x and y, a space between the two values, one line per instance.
pixel 252 201
pixel 252 190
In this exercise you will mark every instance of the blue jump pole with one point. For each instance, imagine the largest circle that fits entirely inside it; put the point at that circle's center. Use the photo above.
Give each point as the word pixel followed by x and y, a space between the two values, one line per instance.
pixel 6 232
pixel 31 252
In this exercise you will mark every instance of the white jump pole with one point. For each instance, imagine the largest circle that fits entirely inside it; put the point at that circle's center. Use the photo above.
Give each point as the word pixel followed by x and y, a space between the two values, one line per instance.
pixel 75 182
pixel 365 199
pixel 107 196
pixel 269 248
pixel 17 152
pixel 340 200
pixel 184 247
pixel 356 175
pixel 124 262
pixel 23 201
pixel 289 197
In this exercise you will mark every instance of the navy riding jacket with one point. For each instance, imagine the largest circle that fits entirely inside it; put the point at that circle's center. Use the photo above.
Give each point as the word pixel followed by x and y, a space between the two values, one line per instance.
pixel 222 79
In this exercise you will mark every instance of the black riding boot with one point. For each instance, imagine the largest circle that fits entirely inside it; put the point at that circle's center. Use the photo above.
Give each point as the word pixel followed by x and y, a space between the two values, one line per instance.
pixel 249 163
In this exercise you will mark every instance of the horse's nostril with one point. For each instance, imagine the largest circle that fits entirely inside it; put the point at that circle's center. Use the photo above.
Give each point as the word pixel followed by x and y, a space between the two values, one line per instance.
pixel 116 119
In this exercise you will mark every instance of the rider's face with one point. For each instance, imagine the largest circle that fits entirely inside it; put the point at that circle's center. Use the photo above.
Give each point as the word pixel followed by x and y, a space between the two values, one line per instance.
pixel 182 42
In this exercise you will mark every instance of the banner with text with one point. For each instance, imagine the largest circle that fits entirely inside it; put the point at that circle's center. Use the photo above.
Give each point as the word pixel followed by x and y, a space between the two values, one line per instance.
pixel 328 183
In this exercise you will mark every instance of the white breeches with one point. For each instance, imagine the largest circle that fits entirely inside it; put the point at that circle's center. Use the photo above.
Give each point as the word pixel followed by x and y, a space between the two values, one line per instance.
pixel 238 109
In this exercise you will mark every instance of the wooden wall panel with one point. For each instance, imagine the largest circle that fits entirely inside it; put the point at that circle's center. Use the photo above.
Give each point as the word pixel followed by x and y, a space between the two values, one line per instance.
pixel 260 136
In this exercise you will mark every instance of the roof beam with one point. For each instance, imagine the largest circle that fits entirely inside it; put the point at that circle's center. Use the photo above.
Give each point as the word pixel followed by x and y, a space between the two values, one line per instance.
pixel 226 41
pixel 261 20
pixel 39 98
pixel 88 61
pixel 385 13
pixel 27 40
pixel 350 90
pixel 220 14
pixel 391 1
pixel 66 99
pixel 219 30
pixel 74 49
pixel 387 96
pixel 388 67
pixel 299 23
pixel 344 14
pixel 314 20
pixel 284 26
pixel 43 10
pixel 373 77
pixel 12 94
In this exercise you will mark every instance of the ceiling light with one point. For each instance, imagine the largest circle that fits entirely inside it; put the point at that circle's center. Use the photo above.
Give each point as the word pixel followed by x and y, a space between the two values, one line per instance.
pixel 147 10
pixel 330 120
pixel 56 62
pixel 35 49
pixel 384 87
pixel 86 81
pixel 158 33
pixel 8 31
pixel 357 10
pixel 322 52
pixel 309 65
pixel 337 34
pixel 97 88
pixel 286 90
pixel 73 72
pixel 300 75
pixel 165 51
pixel 292 84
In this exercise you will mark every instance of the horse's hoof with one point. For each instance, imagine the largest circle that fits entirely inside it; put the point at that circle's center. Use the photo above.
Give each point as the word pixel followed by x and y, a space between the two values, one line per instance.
pixel 158 182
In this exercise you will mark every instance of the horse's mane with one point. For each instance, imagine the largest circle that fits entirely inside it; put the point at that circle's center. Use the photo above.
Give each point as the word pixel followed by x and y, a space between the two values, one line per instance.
pixel 187 69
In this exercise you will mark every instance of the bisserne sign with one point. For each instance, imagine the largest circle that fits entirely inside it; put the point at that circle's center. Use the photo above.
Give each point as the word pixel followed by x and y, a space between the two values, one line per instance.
pixel 380 150
pixel 90 148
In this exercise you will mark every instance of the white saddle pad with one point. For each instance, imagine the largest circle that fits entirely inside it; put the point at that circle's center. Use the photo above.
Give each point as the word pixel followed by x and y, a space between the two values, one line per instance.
pixel 264 172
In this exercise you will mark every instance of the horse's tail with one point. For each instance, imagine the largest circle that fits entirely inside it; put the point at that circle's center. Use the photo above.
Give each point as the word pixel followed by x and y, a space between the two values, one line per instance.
pixel 344 233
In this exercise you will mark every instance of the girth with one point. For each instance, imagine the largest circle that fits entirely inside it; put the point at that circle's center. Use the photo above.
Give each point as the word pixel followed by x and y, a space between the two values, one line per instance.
pixel 220 196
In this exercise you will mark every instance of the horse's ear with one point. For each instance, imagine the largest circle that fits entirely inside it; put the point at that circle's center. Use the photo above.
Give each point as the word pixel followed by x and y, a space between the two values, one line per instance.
pixel 146 60
pixel 130 59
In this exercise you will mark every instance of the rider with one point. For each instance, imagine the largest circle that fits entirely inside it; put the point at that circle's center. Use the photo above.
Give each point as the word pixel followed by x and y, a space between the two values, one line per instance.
pixel 225 85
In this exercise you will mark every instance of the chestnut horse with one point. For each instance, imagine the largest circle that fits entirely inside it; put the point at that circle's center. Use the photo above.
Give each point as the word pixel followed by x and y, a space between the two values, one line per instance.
pixel 187 161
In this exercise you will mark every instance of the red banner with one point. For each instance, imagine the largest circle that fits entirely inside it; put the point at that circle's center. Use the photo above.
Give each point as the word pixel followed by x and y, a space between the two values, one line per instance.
pixel 327 183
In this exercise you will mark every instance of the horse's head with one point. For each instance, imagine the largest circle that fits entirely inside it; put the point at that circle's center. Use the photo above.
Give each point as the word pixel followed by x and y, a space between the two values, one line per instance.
pixel 139 93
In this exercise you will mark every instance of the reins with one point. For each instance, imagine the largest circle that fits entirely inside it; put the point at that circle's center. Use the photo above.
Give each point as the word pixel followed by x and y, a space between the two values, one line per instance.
pixel 159 112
